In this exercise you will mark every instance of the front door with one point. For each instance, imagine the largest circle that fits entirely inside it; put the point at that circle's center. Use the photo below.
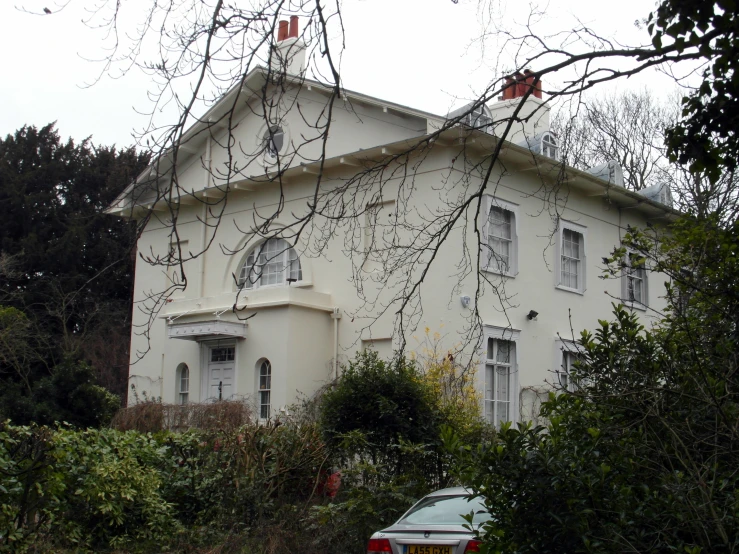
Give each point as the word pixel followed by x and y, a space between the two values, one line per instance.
pixel 221 368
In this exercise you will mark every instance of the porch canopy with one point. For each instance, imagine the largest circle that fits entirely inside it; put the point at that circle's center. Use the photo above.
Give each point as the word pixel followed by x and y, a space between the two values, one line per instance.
pixel 206 330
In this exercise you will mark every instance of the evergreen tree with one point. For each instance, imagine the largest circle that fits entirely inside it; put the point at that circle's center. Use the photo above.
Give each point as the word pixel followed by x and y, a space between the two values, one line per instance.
pixel 66 265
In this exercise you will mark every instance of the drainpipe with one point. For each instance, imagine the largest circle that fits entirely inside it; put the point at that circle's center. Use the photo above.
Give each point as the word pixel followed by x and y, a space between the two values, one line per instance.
pixel 336 316
pixel 161 379
pixel 207 163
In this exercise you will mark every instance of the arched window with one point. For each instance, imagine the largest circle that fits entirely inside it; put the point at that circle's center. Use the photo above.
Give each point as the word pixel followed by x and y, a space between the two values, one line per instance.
pixel 273 262
pixel 265 388
pixel 183 383
pixel 479 118
pixel 549 146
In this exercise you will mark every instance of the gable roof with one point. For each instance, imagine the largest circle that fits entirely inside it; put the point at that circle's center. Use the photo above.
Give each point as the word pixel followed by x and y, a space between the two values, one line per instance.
pixel 215 119
pixel 255 82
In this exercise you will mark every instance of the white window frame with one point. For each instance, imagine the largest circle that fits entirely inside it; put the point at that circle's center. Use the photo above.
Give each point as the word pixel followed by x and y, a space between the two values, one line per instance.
pixel 566 352
pixel 173 268
pixel 560 254
pixel 490 403
pixel 628 274
pixel 183 393
pixel 285 257
pixel 479 118
pixel 272 155
pixel 488 203
pixel 264 389
pixel 549 145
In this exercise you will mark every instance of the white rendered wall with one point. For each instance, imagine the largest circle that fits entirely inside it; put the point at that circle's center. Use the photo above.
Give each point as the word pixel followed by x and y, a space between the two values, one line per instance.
pixel 293 327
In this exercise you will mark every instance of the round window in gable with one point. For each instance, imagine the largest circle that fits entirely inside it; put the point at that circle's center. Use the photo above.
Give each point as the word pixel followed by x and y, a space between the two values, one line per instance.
pixel 273 141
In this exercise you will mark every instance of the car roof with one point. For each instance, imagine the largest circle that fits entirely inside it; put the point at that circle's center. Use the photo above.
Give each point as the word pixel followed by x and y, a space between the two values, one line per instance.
pixel 452 491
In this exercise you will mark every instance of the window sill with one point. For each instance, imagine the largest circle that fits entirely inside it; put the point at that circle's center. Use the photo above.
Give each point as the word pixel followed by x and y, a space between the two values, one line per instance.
pixel 510 275
pixel 568 289
pixel 296 285
pixel 635 305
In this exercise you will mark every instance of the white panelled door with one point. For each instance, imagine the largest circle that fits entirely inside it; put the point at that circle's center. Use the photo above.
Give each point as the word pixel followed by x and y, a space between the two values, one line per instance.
pixel 221 369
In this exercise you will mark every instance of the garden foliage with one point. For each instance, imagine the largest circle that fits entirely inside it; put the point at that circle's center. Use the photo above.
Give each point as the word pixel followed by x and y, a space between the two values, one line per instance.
pixel 643 457
pixel 105 489
pixel 289 485
pixel 383 422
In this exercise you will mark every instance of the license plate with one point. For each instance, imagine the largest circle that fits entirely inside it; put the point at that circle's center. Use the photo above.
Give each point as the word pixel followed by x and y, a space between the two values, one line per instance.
pixel 428 549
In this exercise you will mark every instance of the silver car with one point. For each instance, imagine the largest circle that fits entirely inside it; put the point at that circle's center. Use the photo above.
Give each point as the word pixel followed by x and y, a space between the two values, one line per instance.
pixel 434 525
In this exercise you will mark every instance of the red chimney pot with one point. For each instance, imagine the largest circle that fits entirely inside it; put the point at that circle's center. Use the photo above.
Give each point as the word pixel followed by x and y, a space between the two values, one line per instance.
pixel 519 84
pixel 293 27
pixel 282 30
pixel 509 90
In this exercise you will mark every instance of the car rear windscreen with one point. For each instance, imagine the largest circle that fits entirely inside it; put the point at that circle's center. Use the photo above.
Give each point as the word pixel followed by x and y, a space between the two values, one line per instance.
pixel 446 510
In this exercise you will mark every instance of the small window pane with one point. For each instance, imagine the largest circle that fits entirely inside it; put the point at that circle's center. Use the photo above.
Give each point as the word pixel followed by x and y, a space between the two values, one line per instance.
pixel 265 376
pixel 248 277
pixel 264 405
pixel 489 383
pixel 274 140
pixel 565 373
pixel 635 279
pixel 222 354
pixel 502 388
pixel 500 254
pixel 185 380
pixel 504 352
pixel 500 222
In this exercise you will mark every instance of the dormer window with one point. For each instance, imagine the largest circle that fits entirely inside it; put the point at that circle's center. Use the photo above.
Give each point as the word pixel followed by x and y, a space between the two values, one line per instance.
pixel 479 118
pixel 549 146
pixel 273 262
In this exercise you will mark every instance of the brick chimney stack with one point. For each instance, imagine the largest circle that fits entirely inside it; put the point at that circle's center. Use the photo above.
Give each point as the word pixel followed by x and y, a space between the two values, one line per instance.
pixel 288 54
pixel 518 85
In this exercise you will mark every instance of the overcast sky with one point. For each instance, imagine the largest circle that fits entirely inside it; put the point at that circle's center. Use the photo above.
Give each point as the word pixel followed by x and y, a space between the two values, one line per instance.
pixel 420 53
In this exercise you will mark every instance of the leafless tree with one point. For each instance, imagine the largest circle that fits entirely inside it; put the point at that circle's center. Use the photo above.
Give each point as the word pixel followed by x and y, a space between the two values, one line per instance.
pixel 200 52
pixel 629 128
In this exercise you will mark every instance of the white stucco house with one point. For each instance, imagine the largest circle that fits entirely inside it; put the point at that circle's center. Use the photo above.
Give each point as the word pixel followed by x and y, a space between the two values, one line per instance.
pixel 544 229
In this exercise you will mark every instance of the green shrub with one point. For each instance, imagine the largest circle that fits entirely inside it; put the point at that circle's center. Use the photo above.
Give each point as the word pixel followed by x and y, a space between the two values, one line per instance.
pixel 382 422
pixel 69 394
pixel 388 402
pixel 30 488
pixel 113 493
pixel 245 478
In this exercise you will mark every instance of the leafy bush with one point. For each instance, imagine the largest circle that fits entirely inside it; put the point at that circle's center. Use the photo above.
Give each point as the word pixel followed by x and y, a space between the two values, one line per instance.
pixel 113 489
pixel 149 415
pixel 382 422
pixel 452 387
pixel 642 458
pixel 107 489
pixel 68 394
pixel 244 475
pixel 372 496
pixel 29 487
pixel 387 401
